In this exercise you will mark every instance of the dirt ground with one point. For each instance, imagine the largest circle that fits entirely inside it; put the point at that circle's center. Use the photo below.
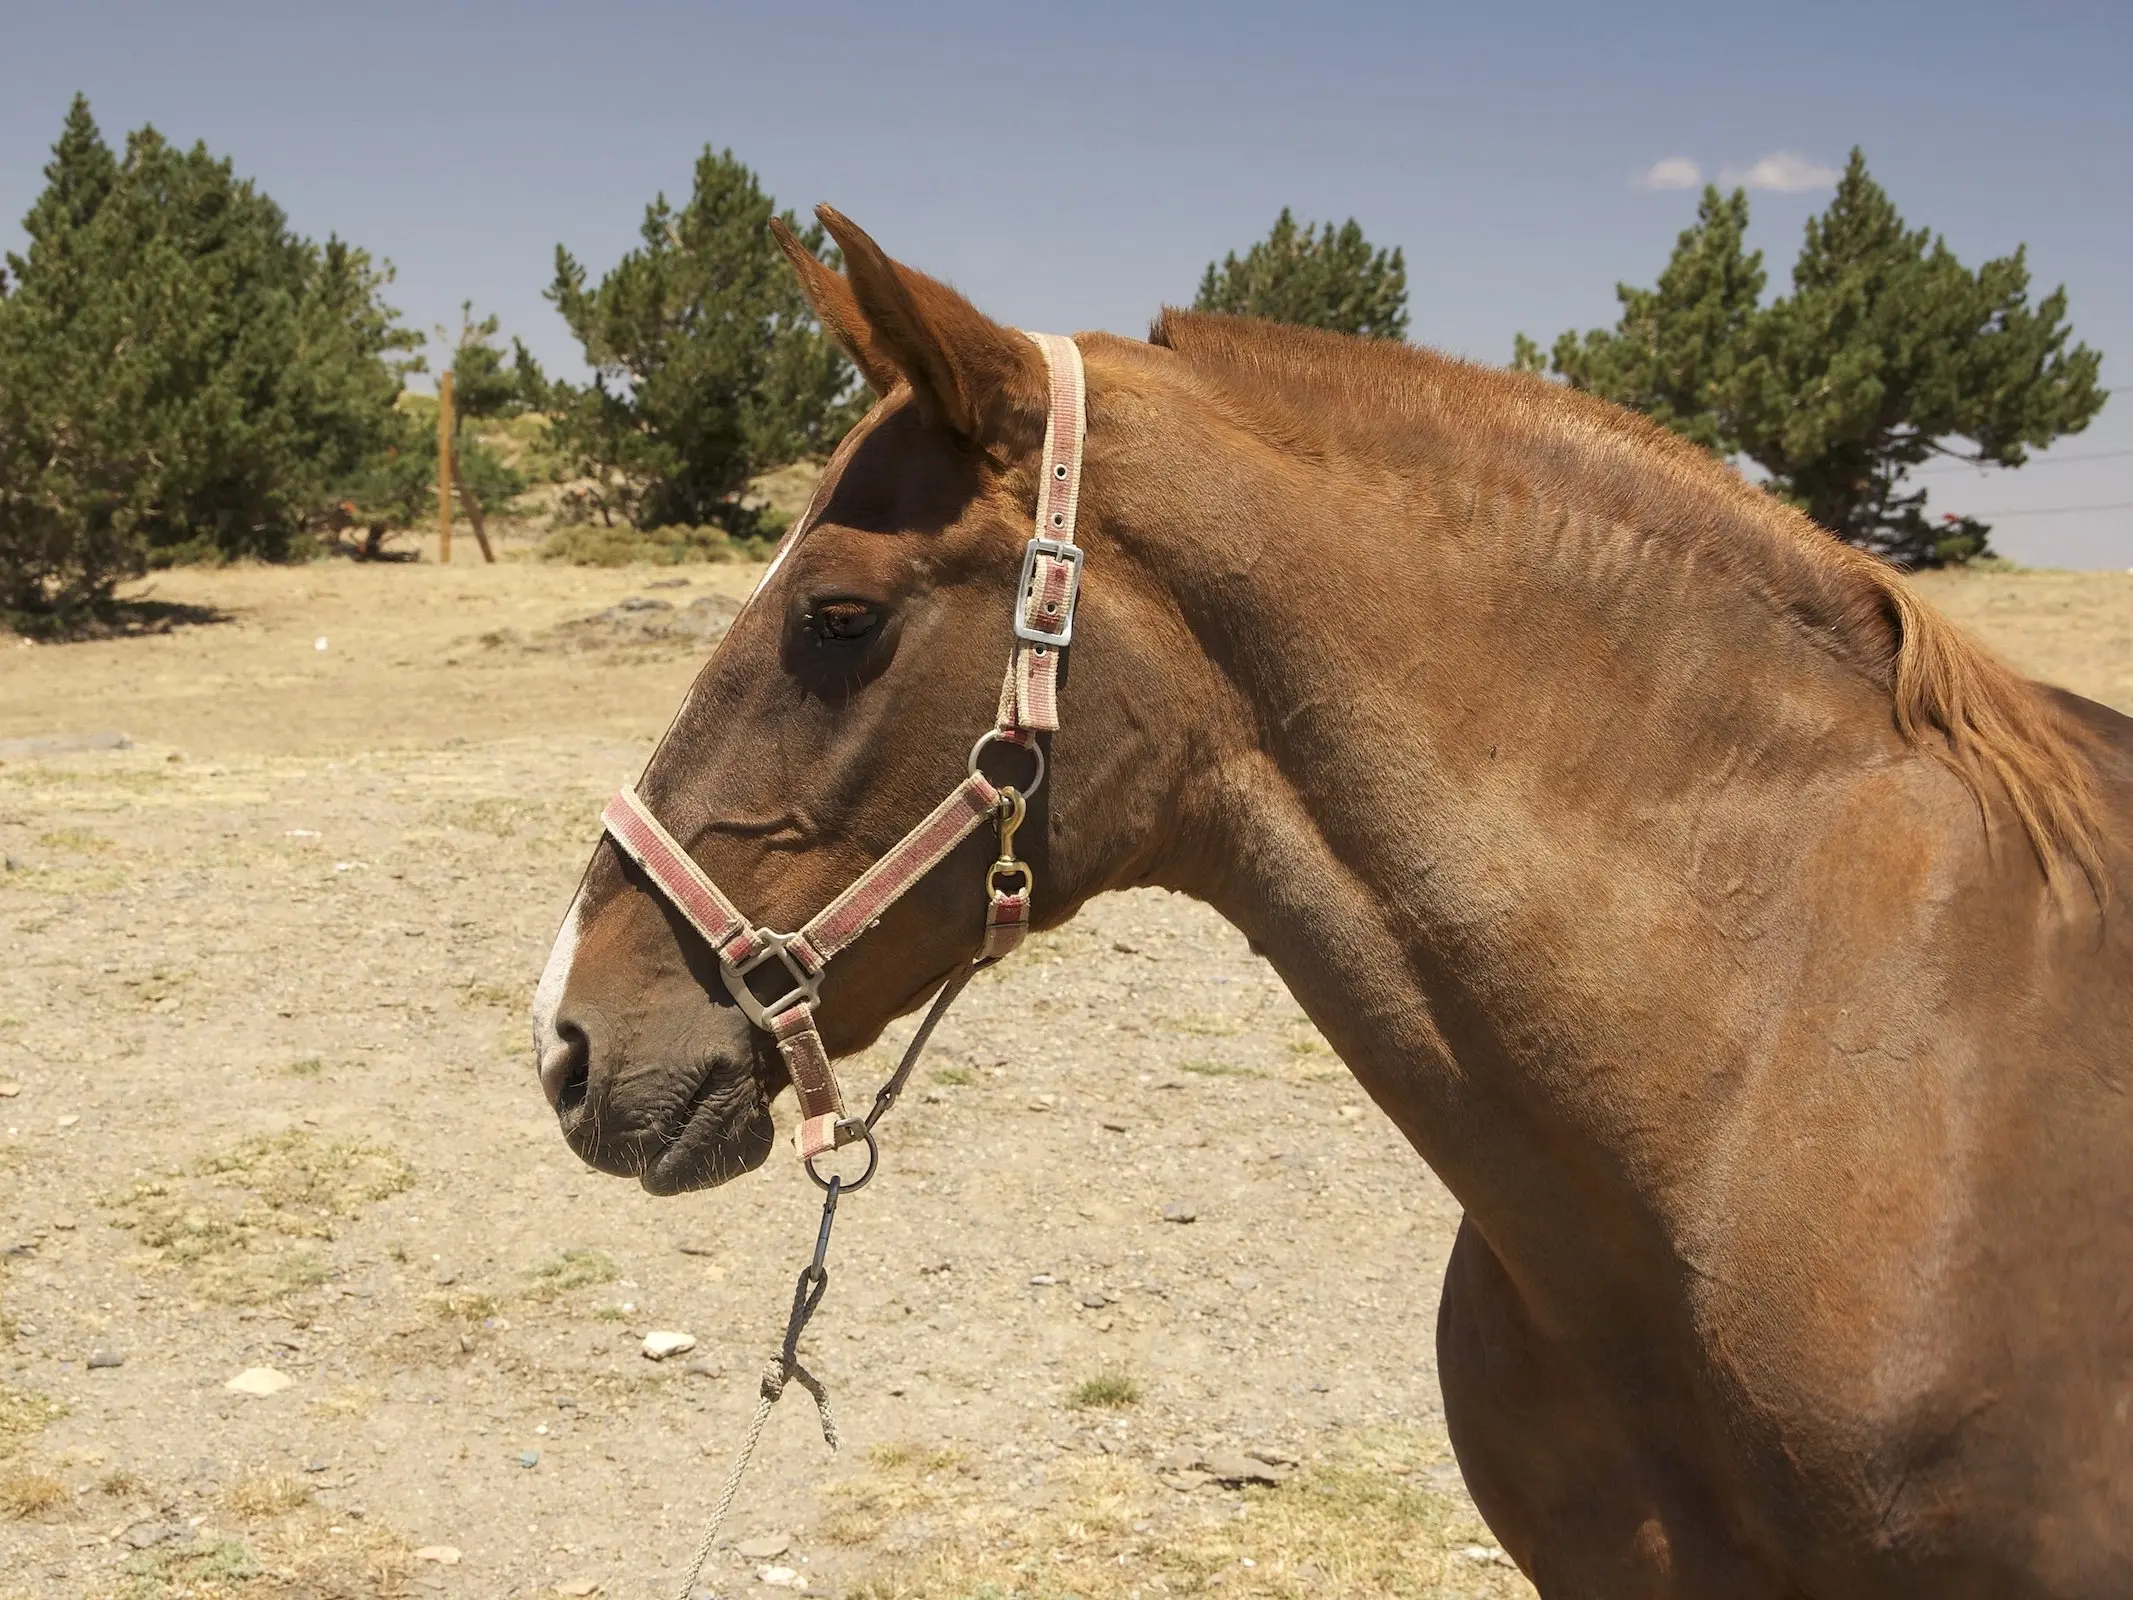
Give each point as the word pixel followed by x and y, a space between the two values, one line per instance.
pixel 268 1108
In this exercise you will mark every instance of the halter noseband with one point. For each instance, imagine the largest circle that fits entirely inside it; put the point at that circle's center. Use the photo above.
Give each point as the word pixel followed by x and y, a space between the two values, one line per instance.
pixel 1029 705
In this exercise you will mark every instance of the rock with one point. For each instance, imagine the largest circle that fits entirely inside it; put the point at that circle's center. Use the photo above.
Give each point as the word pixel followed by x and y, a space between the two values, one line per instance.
pixel 703 1369
pixel 63 1224
pixel 105 1358
pixel 661 1343
pixel 317 1466
pixel 696 1249
pixel 69 1120
pixel 1042 1280
pixel 9 1088
pixel 444 1555
pixel 765 1547
pixel 529 1458
pixel 1233 1468
pixel 1485 1555
pixel 1093 1301
pixel 1112 1125
pixel 1272 1457
pixel 1177 1211
pixel 143 1535
pixel 780 1577
pixel 259 1381
pixel 579 1586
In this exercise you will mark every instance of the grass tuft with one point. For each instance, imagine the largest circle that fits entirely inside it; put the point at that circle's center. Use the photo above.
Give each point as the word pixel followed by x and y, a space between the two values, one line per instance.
pixel 1107 1391
pixel 1220 1069
pixel 573 1269
pixel 24 1495
pixel 270 1495
pixel 23 1415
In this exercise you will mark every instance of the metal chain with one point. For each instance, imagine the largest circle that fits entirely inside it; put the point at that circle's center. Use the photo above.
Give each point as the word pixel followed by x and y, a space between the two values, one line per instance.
pixel 782 1368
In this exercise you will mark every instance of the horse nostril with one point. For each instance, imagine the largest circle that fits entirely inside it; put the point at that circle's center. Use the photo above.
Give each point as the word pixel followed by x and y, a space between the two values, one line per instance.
pixel 565 1068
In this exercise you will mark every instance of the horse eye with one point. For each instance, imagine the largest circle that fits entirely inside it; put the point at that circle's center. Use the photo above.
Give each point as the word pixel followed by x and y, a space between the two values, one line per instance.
pixel 845 621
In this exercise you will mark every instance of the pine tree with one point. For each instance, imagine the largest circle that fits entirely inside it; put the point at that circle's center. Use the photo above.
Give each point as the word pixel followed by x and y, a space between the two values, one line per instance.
pixel 708 366
pixel 180 374
pixel 1887 353
pixel 1675 351
pixel 1317 277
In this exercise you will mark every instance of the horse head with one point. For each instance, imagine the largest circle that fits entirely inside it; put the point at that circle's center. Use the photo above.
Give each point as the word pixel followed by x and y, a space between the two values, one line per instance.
pixel 839 708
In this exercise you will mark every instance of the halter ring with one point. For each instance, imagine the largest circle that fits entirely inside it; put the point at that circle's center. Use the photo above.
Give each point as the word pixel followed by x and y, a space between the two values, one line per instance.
pixel 849 1185
pixel 1024 741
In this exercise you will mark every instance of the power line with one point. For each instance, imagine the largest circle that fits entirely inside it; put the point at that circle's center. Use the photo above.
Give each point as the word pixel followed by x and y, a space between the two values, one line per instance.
pixel 2048 461
pixel 2059 511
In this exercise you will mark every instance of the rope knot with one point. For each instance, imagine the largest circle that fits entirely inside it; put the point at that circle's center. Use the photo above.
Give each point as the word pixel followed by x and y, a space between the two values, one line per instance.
pixel 775 1372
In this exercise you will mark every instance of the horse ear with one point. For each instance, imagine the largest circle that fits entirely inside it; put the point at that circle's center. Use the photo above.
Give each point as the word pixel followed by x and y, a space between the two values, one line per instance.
pixel 830 298
pixel 968 374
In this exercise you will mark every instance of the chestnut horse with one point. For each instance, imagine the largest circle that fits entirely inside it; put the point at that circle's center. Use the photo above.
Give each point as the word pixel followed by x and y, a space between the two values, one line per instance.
pixel 1733 937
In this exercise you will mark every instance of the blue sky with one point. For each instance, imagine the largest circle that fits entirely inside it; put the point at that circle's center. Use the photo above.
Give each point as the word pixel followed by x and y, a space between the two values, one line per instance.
pixel 1077 166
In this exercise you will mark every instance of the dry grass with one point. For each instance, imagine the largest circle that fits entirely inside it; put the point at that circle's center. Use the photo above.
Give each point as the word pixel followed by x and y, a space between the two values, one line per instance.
pixel 1352 1528
pixel 1220 1069
pixel 294 1554
pixel 23 1415
pixel 121 1483
pixel 463 1305
pixel 261 1498
pixel 24 1495
pixel 245 1225
pixel 349 1400
pixel 573 1269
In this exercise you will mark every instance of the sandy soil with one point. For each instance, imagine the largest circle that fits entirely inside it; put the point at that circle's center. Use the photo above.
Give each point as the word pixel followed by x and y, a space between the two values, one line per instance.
pixel 266 1103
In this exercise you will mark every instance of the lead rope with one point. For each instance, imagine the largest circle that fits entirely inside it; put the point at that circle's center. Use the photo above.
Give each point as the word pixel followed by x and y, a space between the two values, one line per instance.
pixel 784 1367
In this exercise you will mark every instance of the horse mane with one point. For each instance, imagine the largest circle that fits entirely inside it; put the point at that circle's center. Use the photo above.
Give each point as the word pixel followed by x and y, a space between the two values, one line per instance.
pixel 1950 697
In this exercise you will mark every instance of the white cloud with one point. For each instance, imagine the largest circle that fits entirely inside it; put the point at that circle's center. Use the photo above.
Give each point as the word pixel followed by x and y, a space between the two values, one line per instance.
pixel 1675 172
pixel 1785 171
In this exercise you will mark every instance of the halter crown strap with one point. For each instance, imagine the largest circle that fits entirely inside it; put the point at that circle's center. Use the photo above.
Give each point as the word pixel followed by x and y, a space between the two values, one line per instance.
pixel 1051 564
pixel 1029 704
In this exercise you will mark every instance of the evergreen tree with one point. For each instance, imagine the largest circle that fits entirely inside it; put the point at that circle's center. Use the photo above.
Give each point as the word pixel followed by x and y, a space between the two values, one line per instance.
pixel 1887 353
pixel 183 375
pixel 1675 351
pixel 1318 277
pixel 708 366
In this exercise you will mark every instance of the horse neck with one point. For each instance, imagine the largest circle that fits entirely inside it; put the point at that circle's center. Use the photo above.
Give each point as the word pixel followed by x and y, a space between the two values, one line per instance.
pixel 1498 797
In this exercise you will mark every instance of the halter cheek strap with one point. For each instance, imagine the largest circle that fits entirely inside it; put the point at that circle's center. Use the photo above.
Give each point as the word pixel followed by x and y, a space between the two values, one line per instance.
pixel 1045 597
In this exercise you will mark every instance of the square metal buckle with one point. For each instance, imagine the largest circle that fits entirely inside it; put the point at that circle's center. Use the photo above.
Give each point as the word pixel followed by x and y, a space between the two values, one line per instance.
pixel 805 987
pixel 1058 550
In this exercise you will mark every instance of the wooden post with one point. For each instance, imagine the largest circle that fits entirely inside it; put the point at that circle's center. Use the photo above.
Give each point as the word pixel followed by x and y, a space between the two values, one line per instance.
pixel 444 467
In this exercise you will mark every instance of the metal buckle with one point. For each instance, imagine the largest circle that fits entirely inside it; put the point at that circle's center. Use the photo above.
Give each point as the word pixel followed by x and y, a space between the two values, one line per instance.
pixel 1058 550
pixel 806 986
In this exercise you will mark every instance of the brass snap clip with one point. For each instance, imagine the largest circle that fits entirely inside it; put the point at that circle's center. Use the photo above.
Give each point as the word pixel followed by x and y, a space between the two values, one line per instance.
pixel 1014 806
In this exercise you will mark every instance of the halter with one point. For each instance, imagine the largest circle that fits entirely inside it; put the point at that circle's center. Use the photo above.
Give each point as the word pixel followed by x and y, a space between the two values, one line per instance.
pixel 1029 705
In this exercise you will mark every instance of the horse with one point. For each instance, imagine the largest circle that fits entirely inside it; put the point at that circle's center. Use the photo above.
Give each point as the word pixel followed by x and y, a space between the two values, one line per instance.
pixel 1736 939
